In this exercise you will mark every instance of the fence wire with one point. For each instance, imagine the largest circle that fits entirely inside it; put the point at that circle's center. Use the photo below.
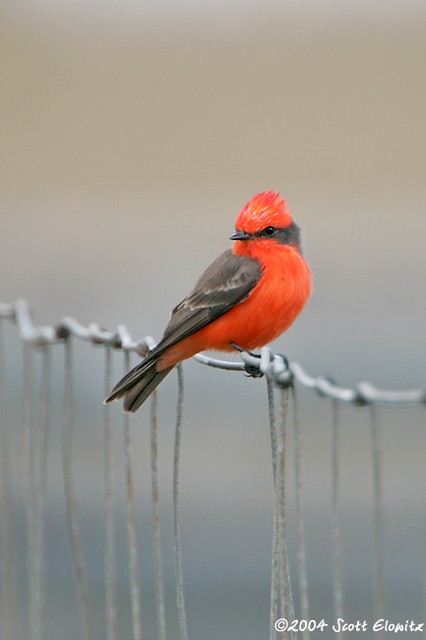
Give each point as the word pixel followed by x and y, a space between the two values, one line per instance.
pixel 270 364
pixel 281 377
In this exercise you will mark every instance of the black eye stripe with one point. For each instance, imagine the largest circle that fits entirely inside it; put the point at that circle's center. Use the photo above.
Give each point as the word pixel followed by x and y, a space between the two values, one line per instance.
pixel 283 235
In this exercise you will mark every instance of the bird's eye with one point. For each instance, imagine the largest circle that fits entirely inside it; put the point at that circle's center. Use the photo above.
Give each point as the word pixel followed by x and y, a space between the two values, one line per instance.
pixel 269 231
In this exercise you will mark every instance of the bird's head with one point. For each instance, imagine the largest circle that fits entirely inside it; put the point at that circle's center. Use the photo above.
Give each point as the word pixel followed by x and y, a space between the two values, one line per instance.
pixel 265 218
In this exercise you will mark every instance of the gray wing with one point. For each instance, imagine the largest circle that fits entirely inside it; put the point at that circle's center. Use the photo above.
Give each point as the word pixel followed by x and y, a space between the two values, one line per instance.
pixel 225 283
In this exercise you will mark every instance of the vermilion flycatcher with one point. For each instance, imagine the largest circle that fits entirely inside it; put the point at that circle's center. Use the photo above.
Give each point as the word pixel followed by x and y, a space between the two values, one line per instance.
pixel 247 297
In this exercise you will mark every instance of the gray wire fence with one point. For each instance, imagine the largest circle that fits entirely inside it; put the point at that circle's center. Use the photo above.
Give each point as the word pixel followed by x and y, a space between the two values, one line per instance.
pixel 283 382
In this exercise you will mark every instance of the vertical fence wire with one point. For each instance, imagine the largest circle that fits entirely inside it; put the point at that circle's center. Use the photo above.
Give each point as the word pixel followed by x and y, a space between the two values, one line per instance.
pixel 67 449
pixel 40 476
pixel 110 559
pixel 28 474
pixel 180 595
pixel 272 426
pixel 336 515
pixel 273 614
pixel 8 583
pixel 280 572
pixel 135 597
pixel 301 552
pixel 378 514
pixel 158 556
pixel 287 605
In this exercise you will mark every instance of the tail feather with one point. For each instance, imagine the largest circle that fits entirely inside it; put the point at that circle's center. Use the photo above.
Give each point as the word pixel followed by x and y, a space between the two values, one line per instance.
pixel 142 388
pixel 137 385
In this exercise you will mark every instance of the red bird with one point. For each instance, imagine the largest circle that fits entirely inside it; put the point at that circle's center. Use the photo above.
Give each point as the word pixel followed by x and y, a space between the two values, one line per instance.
pixel 247 297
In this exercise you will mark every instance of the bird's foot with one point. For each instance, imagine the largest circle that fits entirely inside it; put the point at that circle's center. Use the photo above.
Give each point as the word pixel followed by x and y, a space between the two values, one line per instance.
pixel 254 371
pixel 251 370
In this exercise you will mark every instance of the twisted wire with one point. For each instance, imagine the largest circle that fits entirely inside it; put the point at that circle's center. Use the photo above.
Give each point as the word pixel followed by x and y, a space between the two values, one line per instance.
pixel 273 365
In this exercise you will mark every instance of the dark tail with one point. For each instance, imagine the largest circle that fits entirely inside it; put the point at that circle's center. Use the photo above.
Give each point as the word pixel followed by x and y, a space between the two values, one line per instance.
pixel 137 385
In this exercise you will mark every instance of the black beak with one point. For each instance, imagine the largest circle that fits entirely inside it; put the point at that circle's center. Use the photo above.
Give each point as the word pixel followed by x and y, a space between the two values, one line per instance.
pixel 240 235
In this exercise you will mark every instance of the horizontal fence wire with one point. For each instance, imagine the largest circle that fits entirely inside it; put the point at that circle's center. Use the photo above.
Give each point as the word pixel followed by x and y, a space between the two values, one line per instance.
pixel 274 366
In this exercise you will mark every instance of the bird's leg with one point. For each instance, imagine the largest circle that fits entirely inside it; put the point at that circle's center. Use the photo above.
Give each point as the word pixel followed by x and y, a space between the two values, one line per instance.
pixel 251 370
pixel 241 350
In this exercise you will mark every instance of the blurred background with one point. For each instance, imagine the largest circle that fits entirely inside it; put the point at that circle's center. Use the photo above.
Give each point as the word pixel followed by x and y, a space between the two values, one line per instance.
pixel 131 135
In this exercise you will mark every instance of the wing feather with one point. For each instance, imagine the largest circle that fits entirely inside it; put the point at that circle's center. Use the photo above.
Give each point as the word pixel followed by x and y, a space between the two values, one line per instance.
pixel 225 283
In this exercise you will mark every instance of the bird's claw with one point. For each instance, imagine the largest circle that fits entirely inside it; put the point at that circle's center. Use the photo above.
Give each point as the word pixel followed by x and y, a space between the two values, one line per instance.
pixel 251 370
